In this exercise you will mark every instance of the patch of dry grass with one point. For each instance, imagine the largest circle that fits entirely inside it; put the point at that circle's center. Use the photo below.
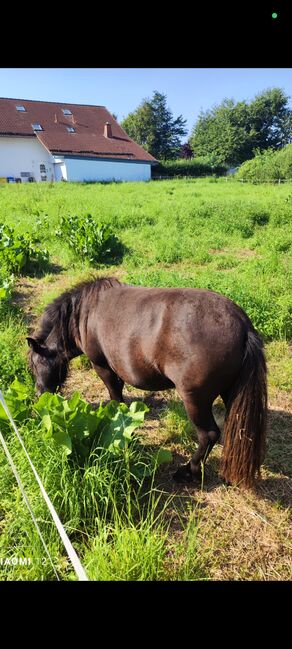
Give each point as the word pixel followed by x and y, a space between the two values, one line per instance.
pixel 249 538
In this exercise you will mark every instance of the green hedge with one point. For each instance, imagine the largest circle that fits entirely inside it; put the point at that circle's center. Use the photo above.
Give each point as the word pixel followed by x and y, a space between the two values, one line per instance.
pixel 268 166
pixel 200 166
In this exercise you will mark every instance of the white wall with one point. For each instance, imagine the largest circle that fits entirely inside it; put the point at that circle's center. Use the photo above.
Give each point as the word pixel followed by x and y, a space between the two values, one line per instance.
pixel 80 170
pixel 19 154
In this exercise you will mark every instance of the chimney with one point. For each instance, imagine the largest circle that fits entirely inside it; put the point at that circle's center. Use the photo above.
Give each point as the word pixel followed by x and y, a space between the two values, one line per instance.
pixel 56 119
pixel 107 130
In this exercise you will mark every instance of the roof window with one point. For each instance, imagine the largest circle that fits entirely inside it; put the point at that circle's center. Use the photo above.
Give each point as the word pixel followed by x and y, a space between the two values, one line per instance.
pixel 37 127
pixel 70 129
pixel 66 111
pixel 21 109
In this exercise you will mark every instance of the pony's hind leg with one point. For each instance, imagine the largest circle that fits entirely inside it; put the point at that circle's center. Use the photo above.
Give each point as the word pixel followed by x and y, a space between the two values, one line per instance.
pixel 208 433
pixel 112 381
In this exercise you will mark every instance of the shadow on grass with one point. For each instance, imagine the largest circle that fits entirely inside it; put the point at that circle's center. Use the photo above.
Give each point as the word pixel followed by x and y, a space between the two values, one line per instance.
pixel 115 257
pixel 45 268
pixel 276 488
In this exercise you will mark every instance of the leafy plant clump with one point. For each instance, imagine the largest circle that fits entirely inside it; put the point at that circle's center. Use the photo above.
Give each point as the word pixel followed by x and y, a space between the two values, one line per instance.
pixel 95 241
pixel 78 429
pixel 268 166
pixel 19 252
pixel 17 399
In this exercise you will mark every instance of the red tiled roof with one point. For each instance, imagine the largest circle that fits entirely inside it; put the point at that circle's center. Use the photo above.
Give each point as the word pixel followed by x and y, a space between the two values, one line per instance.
pixel 88 121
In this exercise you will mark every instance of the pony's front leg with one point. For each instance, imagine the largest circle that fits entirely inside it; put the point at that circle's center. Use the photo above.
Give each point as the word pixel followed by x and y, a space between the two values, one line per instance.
pixel 112 381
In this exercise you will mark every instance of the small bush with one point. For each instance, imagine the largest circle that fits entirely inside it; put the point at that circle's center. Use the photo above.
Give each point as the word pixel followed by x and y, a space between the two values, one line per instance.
pixel 19 253
pixel 268 166
pixel 95 241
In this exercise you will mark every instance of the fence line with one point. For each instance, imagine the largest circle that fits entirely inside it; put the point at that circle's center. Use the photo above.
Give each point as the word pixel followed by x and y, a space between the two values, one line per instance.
pixel 26 500
pixel 277 181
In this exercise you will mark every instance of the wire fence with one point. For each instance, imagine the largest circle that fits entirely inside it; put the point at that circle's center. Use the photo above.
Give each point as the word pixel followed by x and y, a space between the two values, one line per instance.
pixel 228 178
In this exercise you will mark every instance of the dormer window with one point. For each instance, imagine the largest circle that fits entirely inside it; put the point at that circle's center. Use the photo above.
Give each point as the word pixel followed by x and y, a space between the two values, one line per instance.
pixel 70 129
pixel 37 127
pixel 66 111
pixel 20 109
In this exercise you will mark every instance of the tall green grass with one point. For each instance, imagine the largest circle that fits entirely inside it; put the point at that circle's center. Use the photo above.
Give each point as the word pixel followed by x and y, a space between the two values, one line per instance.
pixel 231 238
pixel 119 531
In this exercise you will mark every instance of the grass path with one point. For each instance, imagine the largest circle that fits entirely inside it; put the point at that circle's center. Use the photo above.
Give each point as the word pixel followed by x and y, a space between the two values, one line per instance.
pixel 243 535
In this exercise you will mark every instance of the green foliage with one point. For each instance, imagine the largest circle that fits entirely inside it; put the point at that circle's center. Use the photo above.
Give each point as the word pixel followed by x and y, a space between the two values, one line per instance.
pixel 279 357
pixel 13 347
pixel 268 166
pixel 177 425
pixel 17 397
pixel 231 237
pixel 128 553
pixel 95 241
pixel 200 166
pixel 232 131
pixel 6 285
pixel 12 363
pixel 153 126
pixel 18 252
pixel 75 426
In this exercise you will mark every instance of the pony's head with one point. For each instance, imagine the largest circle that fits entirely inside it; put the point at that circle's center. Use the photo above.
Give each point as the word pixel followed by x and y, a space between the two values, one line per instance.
pixel 48 365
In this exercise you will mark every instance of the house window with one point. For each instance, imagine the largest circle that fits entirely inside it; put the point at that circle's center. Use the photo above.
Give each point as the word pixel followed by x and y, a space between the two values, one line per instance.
pixel 37 127
pixel 66 111
pixel 70 129
pixel 21 109
pixel 42 169
pixel 25 174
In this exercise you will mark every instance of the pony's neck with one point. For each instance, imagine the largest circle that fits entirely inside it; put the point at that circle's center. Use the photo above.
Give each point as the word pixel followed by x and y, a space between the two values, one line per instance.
pixel 65 337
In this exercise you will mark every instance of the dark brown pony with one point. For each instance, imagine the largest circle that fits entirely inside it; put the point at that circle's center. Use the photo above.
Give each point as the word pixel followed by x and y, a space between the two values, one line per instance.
pixel 195 340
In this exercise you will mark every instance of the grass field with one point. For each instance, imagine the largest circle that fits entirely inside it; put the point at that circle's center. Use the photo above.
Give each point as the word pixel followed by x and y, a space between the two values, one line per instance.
pixel 229 237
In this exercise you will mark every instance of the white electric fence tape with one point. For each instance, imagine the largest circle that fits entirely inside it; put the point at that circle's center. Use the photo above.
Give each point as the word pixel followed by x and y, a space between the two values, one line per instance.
pixel 80 572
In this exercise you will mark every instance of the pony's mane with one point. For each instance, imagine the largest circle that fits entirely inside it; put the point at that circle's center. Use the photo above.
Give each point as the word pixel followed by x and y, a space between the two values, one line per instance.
pixel 57 314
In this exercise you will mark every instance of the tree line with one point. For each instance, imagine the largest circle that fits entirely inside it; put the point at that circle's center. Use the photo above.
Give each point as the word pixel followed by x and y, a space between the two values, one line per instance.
pixel 231 132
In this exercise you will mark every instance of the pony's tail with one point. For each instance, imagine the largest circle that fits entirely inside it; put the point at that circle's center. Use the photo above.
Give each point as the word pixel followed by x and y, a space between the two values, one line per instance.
pixel 246 417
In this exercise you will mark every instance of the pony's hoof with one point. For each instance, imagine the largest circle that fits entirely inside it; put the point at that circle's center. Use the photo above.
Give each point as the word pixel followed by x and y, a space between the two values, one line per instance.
pixel 183 474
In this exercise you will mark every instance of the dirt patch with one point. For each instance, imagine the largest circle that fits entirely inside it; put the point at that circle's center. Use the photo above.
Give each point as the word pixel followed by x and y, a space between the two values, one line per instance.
pixel 241 253
pixel 244 253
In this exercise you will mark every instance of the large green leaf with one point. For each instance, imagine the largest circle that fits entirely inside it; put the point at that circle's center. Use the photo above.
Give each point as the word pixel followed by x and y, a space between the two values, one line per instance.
pixel 119 423
pixel 15 398
pixel 62 438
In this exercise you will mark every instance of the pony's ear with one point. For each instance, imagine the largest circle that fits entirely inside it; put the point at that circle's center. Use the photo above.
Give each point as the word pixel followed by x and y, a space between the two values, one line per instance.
pixel 35 346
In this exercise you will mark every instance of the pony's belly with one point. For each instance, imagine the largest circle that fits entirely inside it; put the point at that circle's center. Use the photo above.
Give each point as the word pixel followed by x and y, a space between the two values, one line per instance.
pixel 152 385
pixel 146 380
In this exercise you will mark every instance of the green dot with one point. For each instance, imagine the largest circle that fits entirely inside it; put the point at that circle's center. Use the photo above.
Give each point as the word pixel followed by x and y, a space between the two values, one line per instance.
pixel 274 15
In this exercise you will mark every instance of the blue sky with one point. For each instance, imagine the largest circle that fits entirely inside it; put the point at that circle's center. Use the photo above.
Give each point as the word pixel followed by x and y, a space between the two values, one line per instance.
pixel 121 90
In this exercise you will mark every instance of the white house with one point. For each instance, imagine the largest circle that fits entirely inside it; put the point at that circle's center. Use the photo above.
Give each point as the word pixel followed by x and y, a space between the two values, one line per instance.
pixel 45 141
